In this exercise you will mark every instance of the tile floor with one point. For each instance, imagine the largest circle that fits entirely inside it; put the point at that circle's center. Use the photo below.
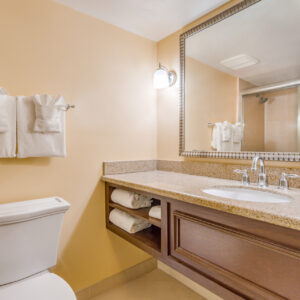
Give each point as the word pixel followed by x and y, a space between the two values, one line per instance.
pixel 155 285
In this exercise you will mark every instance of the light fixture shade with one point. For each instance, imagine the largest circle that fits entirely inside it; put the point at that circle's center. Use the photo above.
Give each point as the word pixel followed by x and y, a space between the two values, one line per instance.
pixel 161 79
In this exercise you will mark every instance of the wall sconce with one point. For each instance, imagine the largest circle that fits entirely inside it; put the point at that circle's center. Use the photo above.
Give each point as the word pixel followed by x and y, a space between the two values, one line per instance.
pixel 163 78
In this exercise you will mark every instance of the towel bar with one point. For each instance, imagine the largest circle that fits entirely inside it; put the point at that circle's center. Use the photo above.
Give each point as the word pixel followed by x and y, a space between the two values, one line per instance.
pixel 68 106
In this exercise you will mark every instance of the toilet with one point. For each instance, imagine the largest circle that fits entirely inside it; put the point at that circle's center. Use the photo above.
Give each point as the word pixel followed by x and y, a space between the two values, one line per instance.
pixel 29 235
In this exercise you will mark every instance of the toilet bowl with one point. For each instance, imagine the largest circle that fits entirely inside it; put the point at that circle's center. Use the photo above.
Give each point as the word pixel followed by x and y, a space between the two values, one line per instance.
pixel 29 235
pixel 43 287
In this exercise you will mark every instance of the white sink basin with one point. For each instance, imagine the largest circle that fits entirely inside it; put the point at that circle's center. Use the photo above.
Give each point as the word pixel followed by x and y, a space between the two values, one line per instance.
pixel 246 194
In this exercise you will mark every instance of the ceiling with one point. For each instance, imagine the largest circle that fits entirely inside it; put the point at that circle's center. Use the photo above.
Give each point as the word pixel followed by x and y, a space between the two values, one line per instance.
pixel 267 31
pixel 152 19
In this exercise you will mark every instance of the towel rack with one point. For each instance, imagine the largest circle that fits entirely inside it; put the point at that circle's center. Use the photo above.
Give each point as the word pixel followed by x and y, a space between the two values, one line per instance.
pixel 213 124
pixel 68 106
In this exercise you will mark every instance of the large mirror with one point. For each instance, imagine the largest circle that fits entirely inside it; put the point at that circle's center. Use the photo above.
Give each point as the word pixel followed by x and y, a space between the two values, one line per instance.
pixel 240 83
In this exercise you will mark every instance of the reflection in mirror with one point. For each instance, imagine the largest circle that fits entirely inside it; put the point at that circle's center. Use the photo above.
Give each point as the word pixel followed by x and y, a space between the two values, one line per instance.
pixel 271 121
pixel 241 84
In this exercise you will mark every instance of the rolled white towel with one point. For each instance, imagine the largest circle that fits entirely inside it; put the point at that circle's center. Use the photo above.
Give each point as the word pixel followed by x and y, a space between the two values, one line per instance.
pixel 130 199
pixel 155 212
pixel 127 222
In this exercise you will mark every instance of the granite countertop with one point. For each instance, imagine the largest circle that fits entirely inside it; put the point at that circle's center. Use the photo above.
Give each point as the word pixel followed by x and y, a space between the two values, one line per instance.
pixel 189 188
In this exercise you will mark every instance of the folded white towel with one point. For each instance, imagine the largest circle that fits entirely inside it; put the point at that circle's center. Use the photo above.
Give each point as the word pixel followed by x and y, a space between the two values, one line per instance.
pixel 216 136
pixel 130 199
pixel 3 91
pixel 226 131
pixel 48 113
pixel 226 142
pixel 237 136
pixel 7 126
pixel 37 144
pixel 127 222
pixel 238 132
pixel 155 212
pixel 4 114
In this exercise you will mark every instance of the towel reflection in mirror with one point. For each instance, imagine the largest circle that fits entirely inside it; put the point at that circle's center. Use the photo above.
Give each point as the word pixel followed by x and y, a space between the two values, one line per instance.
pixel 227 136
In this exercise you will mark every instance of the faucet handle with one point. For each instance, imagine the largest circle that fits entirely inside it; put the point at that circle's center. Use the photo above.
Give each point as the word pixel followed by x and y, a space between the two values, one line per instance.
pixel 239 171
pixel 283 182
pixel 245 178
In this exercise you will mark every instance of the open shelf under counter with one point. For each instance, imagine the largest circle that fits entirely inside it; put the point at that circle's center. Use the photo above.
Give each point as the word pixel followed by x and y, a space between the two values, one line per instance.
pixel 141 213
pixel 148 239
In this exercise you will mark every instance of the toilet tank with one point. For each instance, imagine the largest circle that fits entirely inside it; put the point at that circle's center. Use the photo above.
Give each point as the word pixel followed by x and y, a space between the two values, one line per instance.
pixel 29 236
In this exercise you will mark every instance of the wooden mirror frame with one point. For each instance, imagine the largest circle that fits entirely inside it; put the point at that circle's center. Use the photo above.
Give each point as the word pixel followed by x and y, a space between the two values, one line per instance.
pixel 281 156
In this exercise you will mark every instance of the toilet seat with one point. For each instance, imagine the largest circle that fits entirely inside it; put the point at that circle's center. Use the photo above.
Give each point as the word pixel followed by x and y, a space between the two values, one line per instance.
pixel 47 286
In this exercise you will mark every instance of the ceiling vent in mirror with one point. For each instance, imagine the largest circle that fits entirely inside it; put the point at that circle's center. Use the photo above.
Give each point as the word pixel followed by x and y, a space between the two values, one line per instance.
pixel 239 62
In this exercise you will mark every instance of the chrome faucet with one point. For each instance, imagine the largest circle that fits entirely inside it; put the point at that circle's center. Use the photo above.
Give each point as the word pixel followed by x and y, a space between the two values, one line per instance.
pixel 262 177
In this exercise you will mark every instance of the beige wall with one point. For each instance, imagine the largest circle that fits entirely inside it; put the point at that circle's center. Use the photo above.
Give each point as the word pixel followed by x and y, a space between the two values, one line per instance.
pixel 272 126
pixel 281 117
pixel 254 119
pixel 107 73
pixel 210 96
pixel 168 99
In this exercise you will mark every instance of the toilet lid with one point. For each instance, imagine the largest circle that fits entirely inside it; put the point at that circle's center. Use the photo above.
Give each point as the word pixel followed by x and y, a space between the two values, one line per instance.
pixel 47 287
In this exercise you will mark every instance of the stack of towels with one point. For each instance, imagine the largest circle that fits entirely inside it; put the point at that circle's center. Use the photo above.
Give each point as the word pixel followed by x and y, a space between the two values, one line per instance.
pixel 131 200
pixel 227 137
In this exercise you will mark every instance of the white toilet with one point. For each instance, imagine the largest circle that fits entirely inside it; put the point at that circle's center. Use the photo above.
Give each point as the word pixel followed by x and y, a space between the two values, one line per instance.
pixel 29 236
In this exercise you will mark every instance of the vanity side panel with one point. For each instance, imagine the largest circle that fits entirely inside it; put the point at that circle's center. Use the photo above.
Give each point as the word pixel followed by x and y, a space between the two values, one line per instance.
pixel 165 229
pixel 108 191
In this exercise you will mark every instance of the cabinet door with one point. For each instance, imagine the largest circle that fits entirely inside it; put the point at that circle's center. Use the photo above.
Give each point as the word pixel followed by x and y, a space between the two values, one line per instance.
pixel 258 267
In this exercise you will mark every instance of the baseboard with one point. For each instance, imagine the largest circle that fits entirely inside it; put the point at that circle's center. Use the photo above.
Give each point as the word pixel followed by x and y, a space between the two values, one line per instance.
pixel 116 280
pixel 202 291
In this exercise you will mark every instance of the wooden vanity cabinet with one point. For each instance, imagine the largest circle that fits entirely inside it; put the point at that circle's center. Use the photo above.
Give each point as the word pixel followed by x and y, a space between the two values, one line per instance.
pixel 233 256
